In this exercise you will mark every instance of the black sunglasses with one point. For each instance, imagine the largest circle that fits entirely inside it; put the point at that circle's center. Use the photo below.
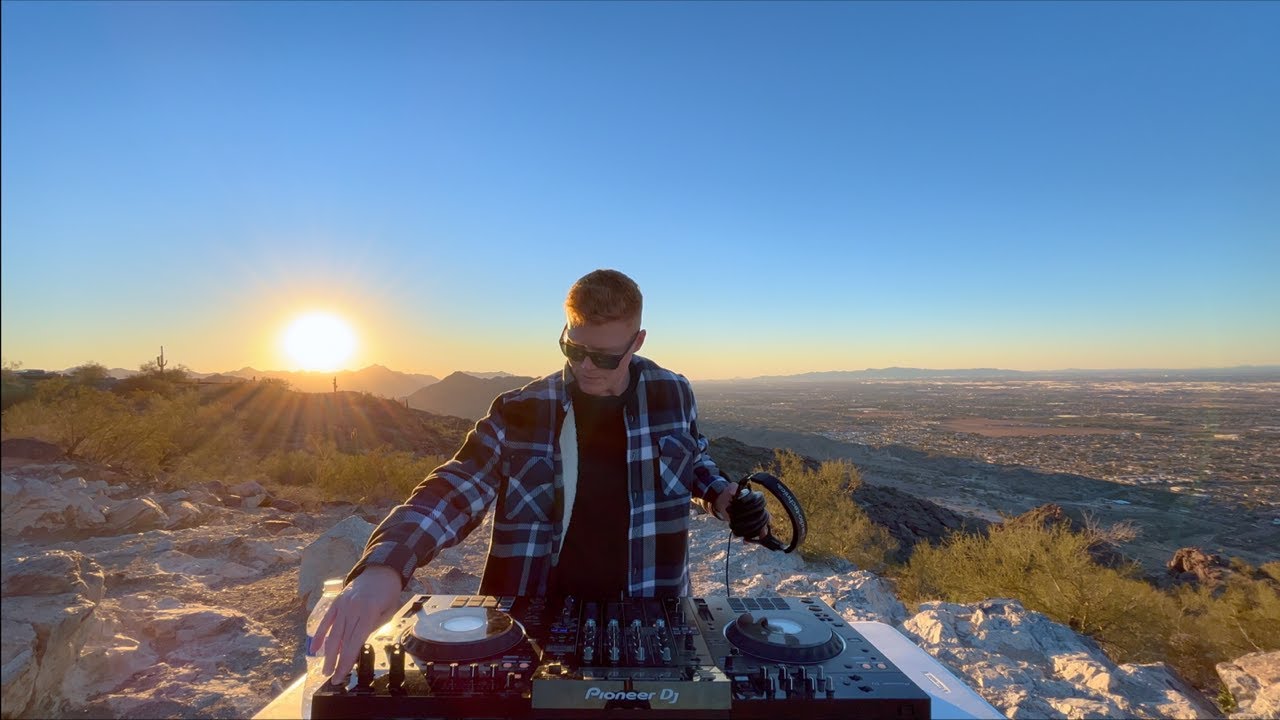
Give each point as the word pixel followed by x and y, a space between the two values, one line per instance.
pixel 605 361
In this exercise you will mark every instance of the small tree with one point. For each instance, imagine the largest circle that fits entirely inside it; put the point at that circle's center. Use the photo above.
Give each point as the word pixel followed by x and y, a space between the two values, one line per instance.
pixel 91 373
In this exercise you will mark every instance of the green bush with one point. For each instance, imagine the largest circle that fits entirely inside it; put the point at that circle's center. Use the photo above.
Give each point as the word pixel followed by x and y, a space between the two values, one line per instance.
pixel 838 528
pixel 1223 623
pixel 145 433
pixel 1050 570
pixel 378 475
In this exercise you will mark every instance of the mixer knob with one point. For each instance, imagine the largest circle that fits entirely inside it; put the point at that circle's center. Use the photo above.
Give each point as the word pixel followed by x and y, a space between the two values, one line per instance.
pixel 472 671
pixel 613 653
pixel 666 654
pixel 830 687
pixel 801 673
pixel 588 653
pixel 640 652
pixel 453 670
pixel 660 623
pixel 811 685
pixel 493 670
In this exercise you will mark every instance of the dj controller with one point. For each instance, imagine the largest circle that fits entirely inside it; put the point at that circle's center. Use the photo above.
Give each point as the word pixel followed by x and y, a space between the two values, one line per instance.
pixel 458 656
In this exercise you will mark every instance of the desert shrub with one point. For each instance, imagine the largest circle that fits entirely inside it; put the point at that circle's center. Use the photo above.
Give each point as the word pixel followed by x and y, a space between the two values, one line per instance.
pixel 150 379
pixel 838 528
pixel 374 476
pixel 145 433
pixel 1217 624
pixel 1271 570
pixel 72 416
pixel 1048 570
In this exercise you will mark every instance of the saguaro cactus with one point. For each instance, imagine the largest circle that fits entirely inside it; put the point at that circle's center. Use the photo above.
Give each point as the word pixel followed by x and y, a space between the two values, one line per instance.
pixel 160 361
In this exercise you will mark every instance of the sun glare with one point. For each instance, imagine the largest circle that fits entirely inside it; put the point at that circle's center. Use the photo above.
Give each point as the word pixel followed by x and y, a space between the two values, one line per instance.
pixel 319 341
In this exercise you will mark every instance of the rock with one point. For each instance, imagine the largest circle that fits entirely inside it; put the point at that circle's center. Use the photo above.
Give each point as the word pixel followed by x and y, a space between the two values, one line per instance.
pixel 285 505
pixel 1029 666
pixel 275 527
pixel 31 449
pixel 248 488
pixel 333 554
pixel 1193 565
pixel 857 596
pixel 33 507
pixel 184 514
pixel 249 502
pixel 49 603
pixel 1254 681
pixel 135 515
pixel 20 666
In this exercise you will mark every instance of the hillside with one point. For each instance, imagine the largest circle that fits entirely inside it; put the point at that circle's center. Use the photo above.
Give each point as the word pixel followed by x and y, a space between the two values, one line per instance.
pixel 463 395
pixel 374 379
pixel 276 418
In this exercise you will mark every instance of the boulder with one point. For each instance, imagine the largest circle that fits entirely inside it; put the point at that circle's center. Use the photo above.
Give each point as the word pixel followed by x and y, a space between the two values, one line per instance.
pixel 37 507
pixel 49 604
pixel 284 505
pixel 135 515
pixel 1193 565
pixel 248 488
pixel 182 514
pixel 331 555
pixel 1254 681
pixel 1026 665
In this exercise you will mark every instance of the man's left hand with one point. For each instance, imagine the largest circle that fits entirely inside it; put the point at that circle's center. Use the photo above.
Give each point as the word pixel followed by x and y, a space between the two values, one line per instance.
pixel 721 506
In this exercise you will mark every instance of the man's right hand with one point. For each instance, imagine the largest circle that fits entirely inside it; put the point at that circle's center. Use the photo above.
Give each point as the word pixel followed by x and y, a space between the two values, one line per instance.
pixel 362 607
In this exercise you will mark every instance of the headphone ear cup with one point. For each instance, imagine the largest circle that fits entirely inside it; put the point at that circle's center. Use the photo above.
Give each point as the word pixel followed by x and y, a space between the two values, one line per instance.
pixel 747 516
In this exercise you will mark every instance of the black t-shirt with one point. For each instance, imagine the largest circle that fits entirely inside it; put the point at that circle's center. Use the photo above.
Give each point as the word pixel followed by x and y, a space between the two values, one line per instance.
pixel 594 554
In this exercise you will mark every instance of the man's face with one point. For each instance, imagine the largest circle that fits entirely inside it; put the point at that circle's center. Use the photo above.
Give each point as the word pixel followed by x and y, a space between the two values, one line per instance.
pixel 616 337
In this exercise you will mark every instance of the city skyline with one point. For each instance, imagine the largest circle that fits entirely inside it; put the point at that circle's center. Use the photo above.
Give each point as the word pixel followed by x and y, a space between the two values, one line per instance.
pixel 796 187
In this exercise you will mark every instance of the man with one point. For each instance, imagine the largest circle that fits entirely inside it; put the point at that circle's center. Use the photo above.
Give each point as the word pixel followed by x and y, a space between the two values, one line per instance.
pixel 593 469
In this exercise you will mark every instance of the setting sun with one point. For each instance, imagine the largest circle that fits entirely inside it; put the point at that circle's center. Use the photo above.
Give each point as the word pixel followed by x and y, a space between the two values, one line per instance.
pixel 319 341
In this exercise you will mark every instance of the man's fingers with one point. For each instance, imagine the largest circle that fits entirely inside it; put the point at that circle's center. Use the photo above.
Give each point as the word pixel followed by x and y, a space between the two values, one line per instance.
pixel 354 633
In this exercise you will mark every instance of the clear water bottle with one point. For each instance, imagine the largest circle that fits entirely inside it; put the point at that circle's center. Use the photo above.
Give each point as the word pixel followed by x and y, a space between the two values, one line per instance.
pixel 315 661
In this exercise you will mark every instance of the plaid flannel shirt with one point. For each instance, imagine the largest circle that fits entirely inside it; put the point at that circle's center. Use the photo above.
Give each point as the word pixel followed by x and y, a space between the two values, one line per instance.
pixel 513 456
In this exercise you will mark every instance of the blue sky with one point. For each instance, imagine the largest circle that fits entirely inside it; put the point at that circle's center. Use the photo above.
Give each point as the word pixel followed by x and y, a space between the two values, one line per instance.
pixel 795 186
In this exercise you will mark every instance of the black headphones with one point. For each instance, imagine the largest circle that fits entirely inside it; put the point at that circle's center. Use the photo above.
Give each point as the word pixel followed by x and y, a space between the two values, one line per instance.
pixel 747 516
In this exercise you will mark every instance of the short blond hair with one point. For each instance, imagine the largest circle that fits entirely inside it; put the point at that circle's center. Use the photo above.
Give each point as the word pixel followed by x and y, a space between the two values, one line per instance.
pixel 603 296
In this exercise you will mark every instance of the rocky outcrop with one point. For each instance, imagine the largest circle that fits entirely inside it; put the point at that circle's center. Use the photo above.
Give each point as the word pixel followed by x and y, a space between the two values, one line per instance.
pixel 333 554
pixel 49 604
pixel 1254 684
pixel 1191 565
pixel 1031 667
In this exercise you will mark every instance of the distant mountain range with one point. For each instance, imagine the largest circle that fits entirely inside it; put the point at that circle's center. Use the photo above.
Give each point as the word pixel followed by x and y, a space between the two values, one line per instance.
pixel 468 394
pixel 464 395
pixel 374 379
pixel 1238 373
